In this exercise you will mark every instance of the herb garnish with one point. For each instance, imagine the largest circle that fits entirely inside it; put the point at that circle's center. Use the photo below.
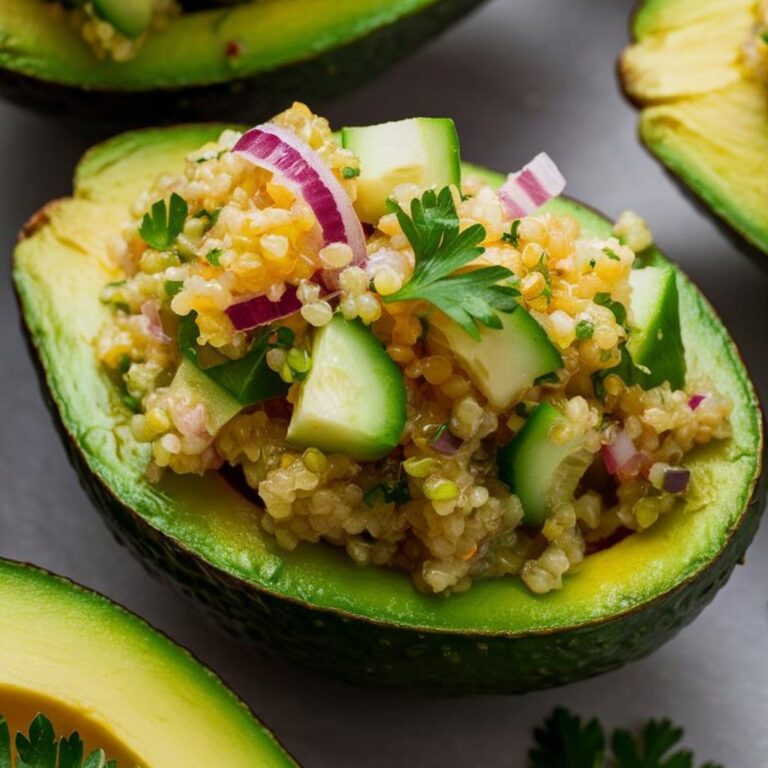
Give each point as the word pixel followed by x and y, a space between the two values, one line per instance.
pixel 618 309
pixel 565 741
pixel 584 329
pixel 160 228
pixel 213 256
pixel 512 237
pixel 611 254
pixel 470 298
pixel 350 173
pixel 41 749
pixel 397 493
pixel 172 287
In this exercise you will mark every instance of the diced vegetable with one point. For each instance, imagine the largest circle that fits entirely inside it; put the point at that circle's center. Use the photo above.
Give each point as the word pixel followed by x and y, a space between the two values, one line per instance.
pixel 527 190
pixel 259 310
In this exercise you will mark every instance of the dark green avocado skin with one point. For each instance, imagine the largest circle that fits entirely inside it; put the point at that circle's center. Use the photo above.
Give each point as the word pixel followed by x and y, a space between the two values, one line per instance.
pixel 363 652
pixel 314 79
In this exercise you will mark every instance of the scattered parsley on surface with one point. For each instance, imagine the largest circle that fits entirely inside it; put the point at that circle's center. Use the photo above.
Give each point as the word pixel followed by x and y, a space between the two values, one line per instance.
pixel 350 173
pixel 470 298
pixel 584 329
pixel 172 287
pixel 618 309
pixel 565 741
pixel 512 237
pixel 42 749
pixel 611 254
pixel 160 228
pixel 214 256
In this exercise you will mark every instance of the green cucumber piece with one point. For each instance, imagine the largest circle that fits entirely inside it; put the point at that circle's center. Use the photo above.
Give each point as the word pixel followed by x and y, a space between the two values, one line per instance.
pixel 540 471
pixel 505 361
pixel 353 400
pixel 655 341
pixel 422 150
pixel 130 18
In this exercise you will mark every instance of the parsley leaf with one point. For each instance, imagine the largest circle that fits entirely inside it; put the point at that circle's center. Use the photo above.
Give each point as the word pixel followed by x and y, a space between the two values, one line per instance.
pixel 611 254
pixel 565 742
pixel 470 298
pixel 512 236
pixel 349 173
pixel 213 256
pixel 160 228
pixel 618 309
pixel 41 749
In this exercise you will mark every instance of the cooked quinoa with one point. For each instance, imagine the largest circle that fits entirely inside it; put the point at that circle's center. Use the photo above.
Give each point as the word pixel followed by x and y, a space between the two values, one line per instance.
pixel 446 519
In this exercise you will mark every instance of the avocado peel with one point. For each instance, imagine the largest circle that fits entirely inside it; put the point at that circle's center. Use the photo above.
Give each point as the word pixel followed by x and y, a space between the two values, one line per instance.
pixel 369 625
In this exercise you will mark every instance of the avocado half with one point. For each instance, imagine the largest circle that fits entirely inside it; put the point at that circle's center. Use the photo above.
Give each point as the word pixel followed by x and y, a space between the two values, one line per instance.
pixel 703 115
pixel 91 666
pixel 248 59
pixel 314 605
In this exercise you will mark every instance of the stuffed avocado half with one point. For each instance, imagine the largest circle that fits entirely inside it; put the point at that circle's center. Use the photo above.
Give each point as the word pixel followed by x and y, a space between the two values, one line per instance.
pixel 577 486
pixel 142 61
pixel 699 74
pixel 125 688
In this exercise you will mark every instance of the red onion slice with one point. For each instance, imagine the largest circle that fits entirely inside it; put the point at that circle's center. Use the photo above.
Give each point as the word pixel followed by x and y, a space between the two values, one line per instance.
pixel 306 174
pixel 259 310
pixel 695 401
pixel 447 443
pixel 151 310
pixel 527 190
pixel 621 457
pixel 676 479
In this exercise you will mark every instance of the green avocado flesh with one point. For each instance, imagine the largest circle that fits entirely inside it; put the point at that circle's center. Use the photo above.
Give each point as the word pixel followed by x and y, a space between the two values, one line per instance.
pixel 123 686
pixel 254 56
pixel 704 115
pixel 313 604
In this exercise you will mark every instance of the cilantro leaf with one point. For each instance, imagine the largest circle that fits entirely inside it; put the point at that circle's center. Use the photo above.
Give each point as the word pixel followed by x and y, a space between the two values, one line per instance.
pixel 653 748
pixel 618 309
pixel 160 228
pixel 440 249
pixel 565 742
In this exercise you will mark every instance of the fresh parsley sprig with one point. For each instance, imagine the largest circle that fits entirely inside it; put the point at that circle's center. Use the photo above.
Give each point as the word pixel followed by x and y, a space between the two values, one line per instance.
pixel 165 222
pixel 565 741
pixel 440 249
pixel 42 749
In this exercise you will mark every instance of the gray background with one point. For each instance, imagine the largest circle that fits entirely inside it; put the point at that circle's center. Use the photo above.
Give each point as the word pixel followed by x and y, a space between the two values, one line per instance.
pixel 520 76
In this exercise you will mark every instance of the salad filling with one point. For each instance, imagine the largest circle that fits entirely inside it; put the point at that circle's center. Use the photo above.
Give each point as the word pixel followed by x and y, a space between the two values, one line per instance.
pixel 400 360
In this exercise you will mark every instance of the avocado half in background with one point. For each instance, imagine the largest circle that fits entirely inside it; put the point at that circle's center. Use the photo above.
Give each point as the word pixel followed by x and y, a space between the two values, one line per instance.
pixel 228 61
pixel 314 605
pixel 91 666
pixel 704 111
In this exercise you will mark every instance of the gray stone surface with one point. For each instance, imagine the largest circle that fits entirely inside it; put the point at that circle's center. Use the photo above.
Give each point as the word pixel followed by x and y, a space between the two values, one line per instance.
pixel 519 76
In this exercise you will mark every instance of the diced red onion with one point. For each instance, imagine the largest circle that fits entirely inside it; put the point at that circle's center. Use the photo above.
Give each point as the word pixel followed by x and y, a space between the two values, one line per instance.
pixel 696 401
pixel 306 174
pixel 259 310
pixel 527 190
pixel 151 310
pixel 621 457
pixel 447 443
pixel 676 479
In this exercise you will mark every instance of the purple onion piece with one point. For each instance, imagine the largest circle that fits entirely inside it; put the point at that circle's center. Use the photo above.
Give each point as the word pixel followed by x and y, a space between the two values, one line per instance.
pixel 259 310
pixel 447 443
pixel 695 401
pixel 676 480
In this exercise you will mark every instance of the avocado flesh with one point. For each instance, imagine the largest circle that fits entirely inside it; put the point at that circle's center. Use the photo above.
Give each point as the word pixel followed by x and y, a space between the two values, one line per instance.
pixel 623 602
pixel 125 687
pixel 254 56
pixel 704 115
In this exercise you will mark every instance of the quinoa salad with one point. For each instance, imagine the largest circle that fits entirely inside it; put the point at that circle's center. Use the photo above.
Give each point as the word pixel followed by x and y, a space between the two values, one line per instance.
pixel 396 358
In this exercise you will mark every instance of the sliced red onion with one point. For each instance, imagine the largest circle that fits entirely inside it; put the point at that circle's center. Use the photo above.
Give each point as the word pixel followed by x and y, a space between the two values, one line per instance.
pixel 306 174
pixel 151 310
pixel 447 443
pixel 621 457
pixel 696 401
pixel 527 190
pixel 259 310
pixel 676 479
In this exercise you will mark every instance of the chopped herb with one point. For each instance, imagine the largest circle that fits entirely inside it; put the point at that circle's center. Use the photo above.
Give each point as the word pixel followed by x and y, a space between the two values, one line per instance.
pixel 548 378
pixel 470 298
pixel 212 216
pixel 172 287
pixel 249 380
pixel 390 493
pixel 282 338
pixel 41 749
pixel 350 173
pixel 611 254
pixel 565 741
pixel 618 309
pixel 116 284
pixel 130 402
pixel 592 263
pixel 124 364
pixel 160 228
pixel 122 307
pixel 512 236
pixel 584 329
pixel 214 256
pixel 438 433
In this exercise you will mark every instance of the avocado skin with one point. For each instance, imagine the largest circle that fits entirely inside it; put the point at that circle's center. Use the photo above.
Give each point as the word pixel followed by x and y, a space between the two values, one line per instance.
pixel 362 651
pixel 739 238
pixel 252 98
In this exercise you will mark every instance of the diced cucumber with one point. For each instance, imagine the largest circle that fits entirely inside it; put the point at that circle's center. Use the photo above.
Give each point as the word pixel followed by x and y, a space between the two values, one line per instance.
pixel 353 400
pixel 422 150
pixel 505 362
pixel 655 341
pixel 192 384
pixel 129 17
pixel 540 471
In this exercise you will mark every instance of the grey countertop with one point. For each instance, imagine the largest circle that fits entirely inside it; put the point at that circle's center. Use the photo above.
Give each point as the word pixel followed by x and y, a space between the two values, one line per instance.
pixel 519 76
